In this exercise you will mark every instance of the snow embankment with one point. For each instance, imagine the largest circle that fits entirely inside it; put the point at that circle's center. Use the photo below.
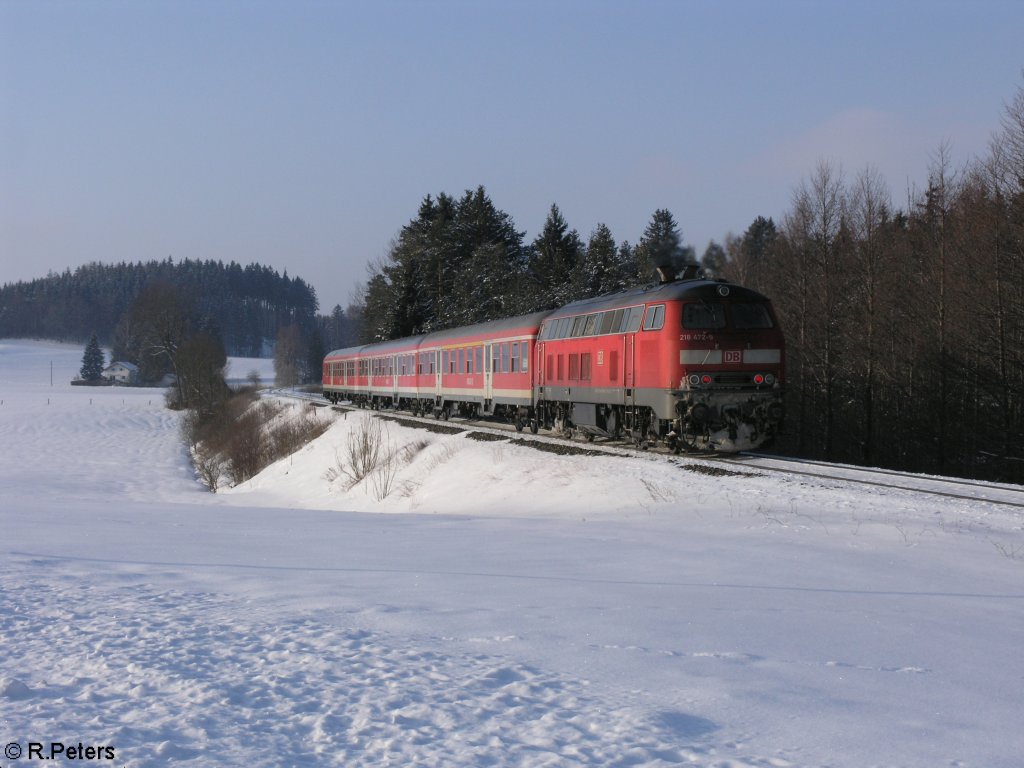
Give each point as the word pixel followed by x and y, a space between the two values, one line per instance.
pixel 512 608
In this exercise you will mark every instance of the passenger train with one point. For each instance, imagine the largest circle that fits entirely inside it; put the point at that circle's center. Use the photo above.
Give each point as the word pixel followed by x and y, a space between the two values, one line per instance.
pixel 693 363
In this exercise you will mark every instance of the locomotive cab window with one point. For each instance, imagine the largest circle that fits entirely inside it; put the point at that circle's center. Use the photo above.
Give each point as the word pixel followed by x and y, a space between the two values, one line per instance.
pixel 655 319
pixel 750 316
pixel 703 315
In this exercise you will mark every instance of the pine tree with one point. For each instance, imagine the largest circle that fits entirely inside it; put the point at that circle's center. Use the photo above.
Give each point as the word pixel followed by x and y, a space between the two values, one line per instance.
pixel 92 361
pixel 661 246
pixel 600 271
pixel 714 260
pixel 555 260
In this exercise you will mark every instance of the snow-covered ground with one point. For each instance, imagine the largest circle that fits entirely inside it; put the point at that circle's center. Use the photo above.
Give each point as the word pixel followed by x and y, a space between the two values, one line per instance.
pixel 498 607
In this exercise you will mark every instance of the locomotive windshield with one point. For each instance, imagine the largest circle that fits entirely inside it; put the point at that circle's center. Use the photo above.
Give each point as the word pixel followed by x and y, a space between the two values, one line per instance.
pixel 703 316
pixel 750 316
pixel 712 316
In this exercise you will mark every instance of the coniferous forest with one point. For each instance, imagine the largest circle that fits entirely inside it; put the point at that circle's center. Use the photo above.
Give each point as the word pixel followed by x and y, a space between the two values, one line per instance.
pixel 904 320
pixel 245 306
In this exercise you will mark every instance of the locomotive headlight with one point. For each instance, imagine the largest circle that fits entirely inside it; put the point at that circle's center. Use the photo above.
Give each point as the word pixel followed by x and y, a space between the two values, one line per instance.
pixel 769 378
pixel 694 379
pixel 705 379
pixel 758 378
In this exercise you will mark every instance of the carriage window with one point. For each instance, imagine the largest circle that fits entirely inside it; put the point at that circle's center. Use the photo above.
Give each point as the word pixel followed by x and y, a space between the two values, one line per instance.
pixel 564 325
pixel 504 357
pixel 578 324
pixel 655 318
pixel 525 348
pixel 747 316
pixel 462 361
pixel 585 366
pixel 479 359
pixel 703 315
pixel 514 361
pixel 591 328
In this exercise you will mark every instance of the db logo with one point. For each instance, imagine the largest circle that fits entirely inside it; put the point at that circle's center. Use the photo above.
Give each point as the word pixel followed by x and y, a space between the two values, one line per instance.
pixel 734 356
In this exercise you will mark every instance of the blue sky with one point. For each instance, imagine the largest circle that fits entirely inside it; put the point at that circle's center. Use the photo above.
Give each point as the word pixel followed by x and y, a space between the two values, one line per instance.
pixel 304 134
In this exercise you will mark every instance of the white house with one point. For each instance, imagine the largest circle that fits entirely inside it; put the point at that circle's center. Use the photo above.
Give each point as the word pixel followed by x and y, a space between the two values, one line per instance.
pixel 121 373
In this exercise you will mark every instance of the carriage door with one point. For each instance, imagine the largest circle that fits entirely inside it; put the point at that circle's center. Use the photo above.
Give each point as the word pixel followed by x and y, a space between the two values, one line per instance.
pixel 437 374
pixel 488 378
pixel 627 363
pixel 394 379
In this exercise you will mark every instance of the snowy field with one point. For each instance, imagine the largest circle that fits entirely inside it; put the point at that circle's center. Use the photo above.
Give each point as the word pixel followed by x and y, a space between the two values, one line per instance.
pixel 499 606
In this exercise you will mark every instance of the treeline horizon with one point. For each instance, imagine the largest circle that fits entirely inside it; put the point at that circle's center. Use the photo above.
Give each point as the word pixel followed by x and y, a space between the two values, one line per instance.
pixel 904 324
pixel 245 306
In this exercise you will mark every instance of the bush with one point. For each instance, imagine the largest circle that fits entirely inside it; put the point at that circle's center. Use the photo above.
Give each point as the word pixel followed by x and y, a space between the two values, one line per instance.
pixel 246 435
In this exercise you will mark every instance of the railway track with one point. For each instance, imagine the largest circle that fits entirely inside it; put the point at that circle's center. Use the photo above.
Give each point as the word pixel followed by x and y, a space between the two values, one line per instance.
pixel 1002 494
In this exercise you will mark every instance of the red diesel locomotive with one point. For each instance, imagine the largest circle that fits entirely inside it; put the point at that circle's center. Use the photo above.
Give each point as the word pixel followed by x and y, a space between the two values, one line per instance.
pixel 694 363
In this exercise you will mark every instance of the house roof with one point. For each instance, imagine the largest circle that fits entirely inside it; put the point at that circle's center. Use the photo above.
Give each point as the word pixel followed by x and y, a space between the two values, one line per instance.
pixel 126 366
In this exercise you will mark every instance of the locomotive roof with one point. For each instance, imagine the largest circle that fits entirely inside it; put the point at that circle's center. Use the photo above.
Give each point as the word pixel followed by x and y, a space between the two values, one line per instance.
pixel 701 289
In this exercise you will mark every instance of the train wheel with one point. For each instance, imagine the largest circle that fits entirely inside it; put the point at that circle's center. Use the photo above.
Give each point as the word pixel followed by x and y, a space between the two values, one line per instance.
pixel 534 425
